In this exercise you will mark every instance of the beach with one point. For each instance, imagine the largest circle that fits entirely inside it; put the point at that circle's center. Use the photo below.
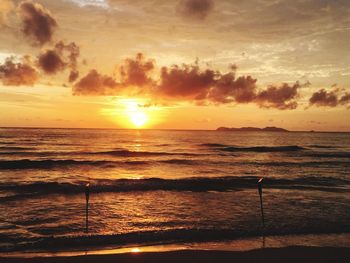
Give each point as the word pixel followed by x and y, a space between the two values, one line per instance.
pixel 270 255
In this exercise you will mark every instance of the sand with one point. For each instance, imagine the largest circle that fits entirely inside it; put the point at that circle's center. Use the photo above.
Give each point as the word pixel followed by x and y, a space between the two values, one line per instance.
pixel 280 255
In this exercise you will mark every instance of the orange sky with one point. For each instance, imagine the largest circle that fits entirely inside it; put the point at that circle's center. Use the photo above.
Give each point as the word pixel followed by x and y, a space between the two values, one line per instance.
pixel 187 64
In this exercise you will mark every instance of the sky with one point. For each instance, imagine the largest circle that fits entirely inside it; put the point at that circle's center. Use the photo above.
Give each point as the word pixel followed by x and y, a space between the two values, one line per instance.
pixel 179 64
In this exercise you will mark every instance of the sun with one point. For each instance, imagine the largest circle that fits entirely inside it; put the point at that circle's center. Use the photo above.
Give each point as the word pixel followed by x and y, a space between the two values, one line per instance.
pixel 138 118
pixel 137 115
pixel 134 113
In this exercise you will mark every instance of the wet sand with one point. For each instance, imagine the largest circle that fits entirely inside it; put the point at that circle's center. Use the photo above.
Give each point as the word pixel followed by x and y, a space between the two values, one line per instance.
pixel 286 255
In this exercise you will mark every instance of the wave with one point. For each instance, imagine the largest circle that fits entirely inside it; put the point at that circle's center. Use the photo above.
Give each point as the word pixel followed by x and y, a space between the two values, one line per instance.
pixel 49 164
pixel 23 164
pixel 322 146
pixel 177 235
pixel 194 184
pixel 127 153
pixel 215 145
pixel 230 148
pixel 15 148
pixel 329 154
pixel 180 161
pixel 114 153
pixel 290 148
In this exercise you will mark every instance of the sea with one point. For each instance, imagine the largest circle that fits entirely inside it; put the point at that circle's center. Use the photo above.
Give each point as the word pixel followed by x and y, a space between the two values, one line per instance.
pixel 168 186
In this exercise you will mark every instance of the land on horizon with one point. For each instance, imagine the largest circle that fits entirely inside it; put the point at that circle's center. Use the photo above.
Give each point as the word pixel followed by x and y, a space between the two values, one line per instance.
pixel 266 129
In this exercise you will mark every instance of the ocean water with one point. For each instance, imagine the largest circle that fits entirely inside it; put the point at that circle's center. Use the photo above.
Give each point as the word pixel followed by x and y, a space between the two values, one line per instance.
pixel 167 186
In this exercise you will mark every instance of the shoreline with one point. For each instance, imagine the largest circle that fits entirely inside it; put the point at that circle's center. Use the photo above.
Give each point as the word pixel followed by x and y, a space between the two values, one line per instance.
pixel 288 254
pixel 334 240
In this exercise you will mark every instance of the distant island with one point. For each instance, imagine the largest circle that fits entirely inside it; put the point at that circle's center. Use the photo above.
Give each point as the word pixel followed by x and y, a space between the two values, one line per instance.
pixel 266 129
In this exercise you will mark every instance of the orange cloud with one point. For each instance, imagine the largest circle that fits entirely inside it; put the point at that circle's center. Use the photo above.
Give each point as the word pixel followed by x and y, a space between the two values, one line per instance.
pixel 17 74
pixel 282 98
pixel 136 71
pixel 196 9
pixel 228 89
pixel 59 58
pixel 188 83
pixel 323 98
pixel 38 23
pixel 95 84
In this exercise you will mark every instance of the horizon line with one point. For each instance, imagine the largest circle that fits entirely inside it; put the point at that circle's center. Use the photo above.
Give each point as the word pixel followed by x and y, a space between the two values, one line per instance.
pixel 156 129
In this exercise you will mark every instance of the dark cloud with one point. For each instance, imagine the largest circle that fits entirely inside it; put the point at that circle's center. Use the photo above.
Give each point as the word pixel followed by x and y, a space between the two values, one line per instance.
pixel 73 75
pixel 188 82
pixel 323 98
pixel 196 9
pixel 135 72
pixel 209 86
pixel 61 57
pixel 333 98
pixel 51 62
pixel 345 99
pixel 95 84
pixel 37 22
pixel 18 73
pixel 134 78
pixel 282 97
pixel 228 89
pixel 73 51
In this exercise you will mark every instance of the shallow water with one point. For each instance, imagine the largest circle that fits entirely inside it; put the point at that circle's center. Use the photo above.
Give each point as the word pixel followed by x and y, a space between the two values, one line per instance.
pixel 168 186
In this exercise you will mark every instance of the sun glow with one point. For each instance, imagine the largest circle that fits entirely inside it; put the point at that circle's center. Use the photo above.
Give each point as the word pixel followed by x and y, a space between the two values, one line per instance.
pixel 137 113
pixel 135 250
pixel 138 118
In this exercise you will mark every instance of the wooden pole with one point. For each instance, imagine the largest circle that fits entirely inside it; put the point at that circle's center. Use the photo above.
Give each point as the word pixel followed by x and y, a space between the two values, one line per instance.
pixel 261 201
pixel 87 196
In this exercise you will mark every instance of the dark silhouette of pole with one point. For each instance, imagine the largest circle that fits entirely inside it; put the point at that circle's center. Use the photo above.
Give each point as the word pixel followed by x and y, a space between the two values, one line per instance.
pixel 261 201
pixel 87 196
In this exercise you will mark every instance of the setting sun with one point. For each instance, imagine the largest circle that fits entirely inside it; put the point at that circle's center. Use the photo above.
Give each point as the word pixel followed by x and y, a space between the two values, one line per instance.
pixel 133 113
pixel 138 118
pixel 136 115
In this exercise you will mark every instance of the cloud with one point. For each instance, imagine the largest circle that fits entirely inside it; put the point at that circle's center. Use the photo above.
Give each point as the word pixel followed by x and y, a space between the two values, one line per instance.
pixel 73 75
pixel 187 82
pixel 95 84
pixel 195 9
pixel 192 82
pixel 6 6
pixel 18 73
pixel 134 79
pixel 323 98
pixel 61 57
pixel 228 89
pixel 135 72
pixel 282 97
pixel 345 99
pixel 51 62
pixel 333 98
pixel 37 22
